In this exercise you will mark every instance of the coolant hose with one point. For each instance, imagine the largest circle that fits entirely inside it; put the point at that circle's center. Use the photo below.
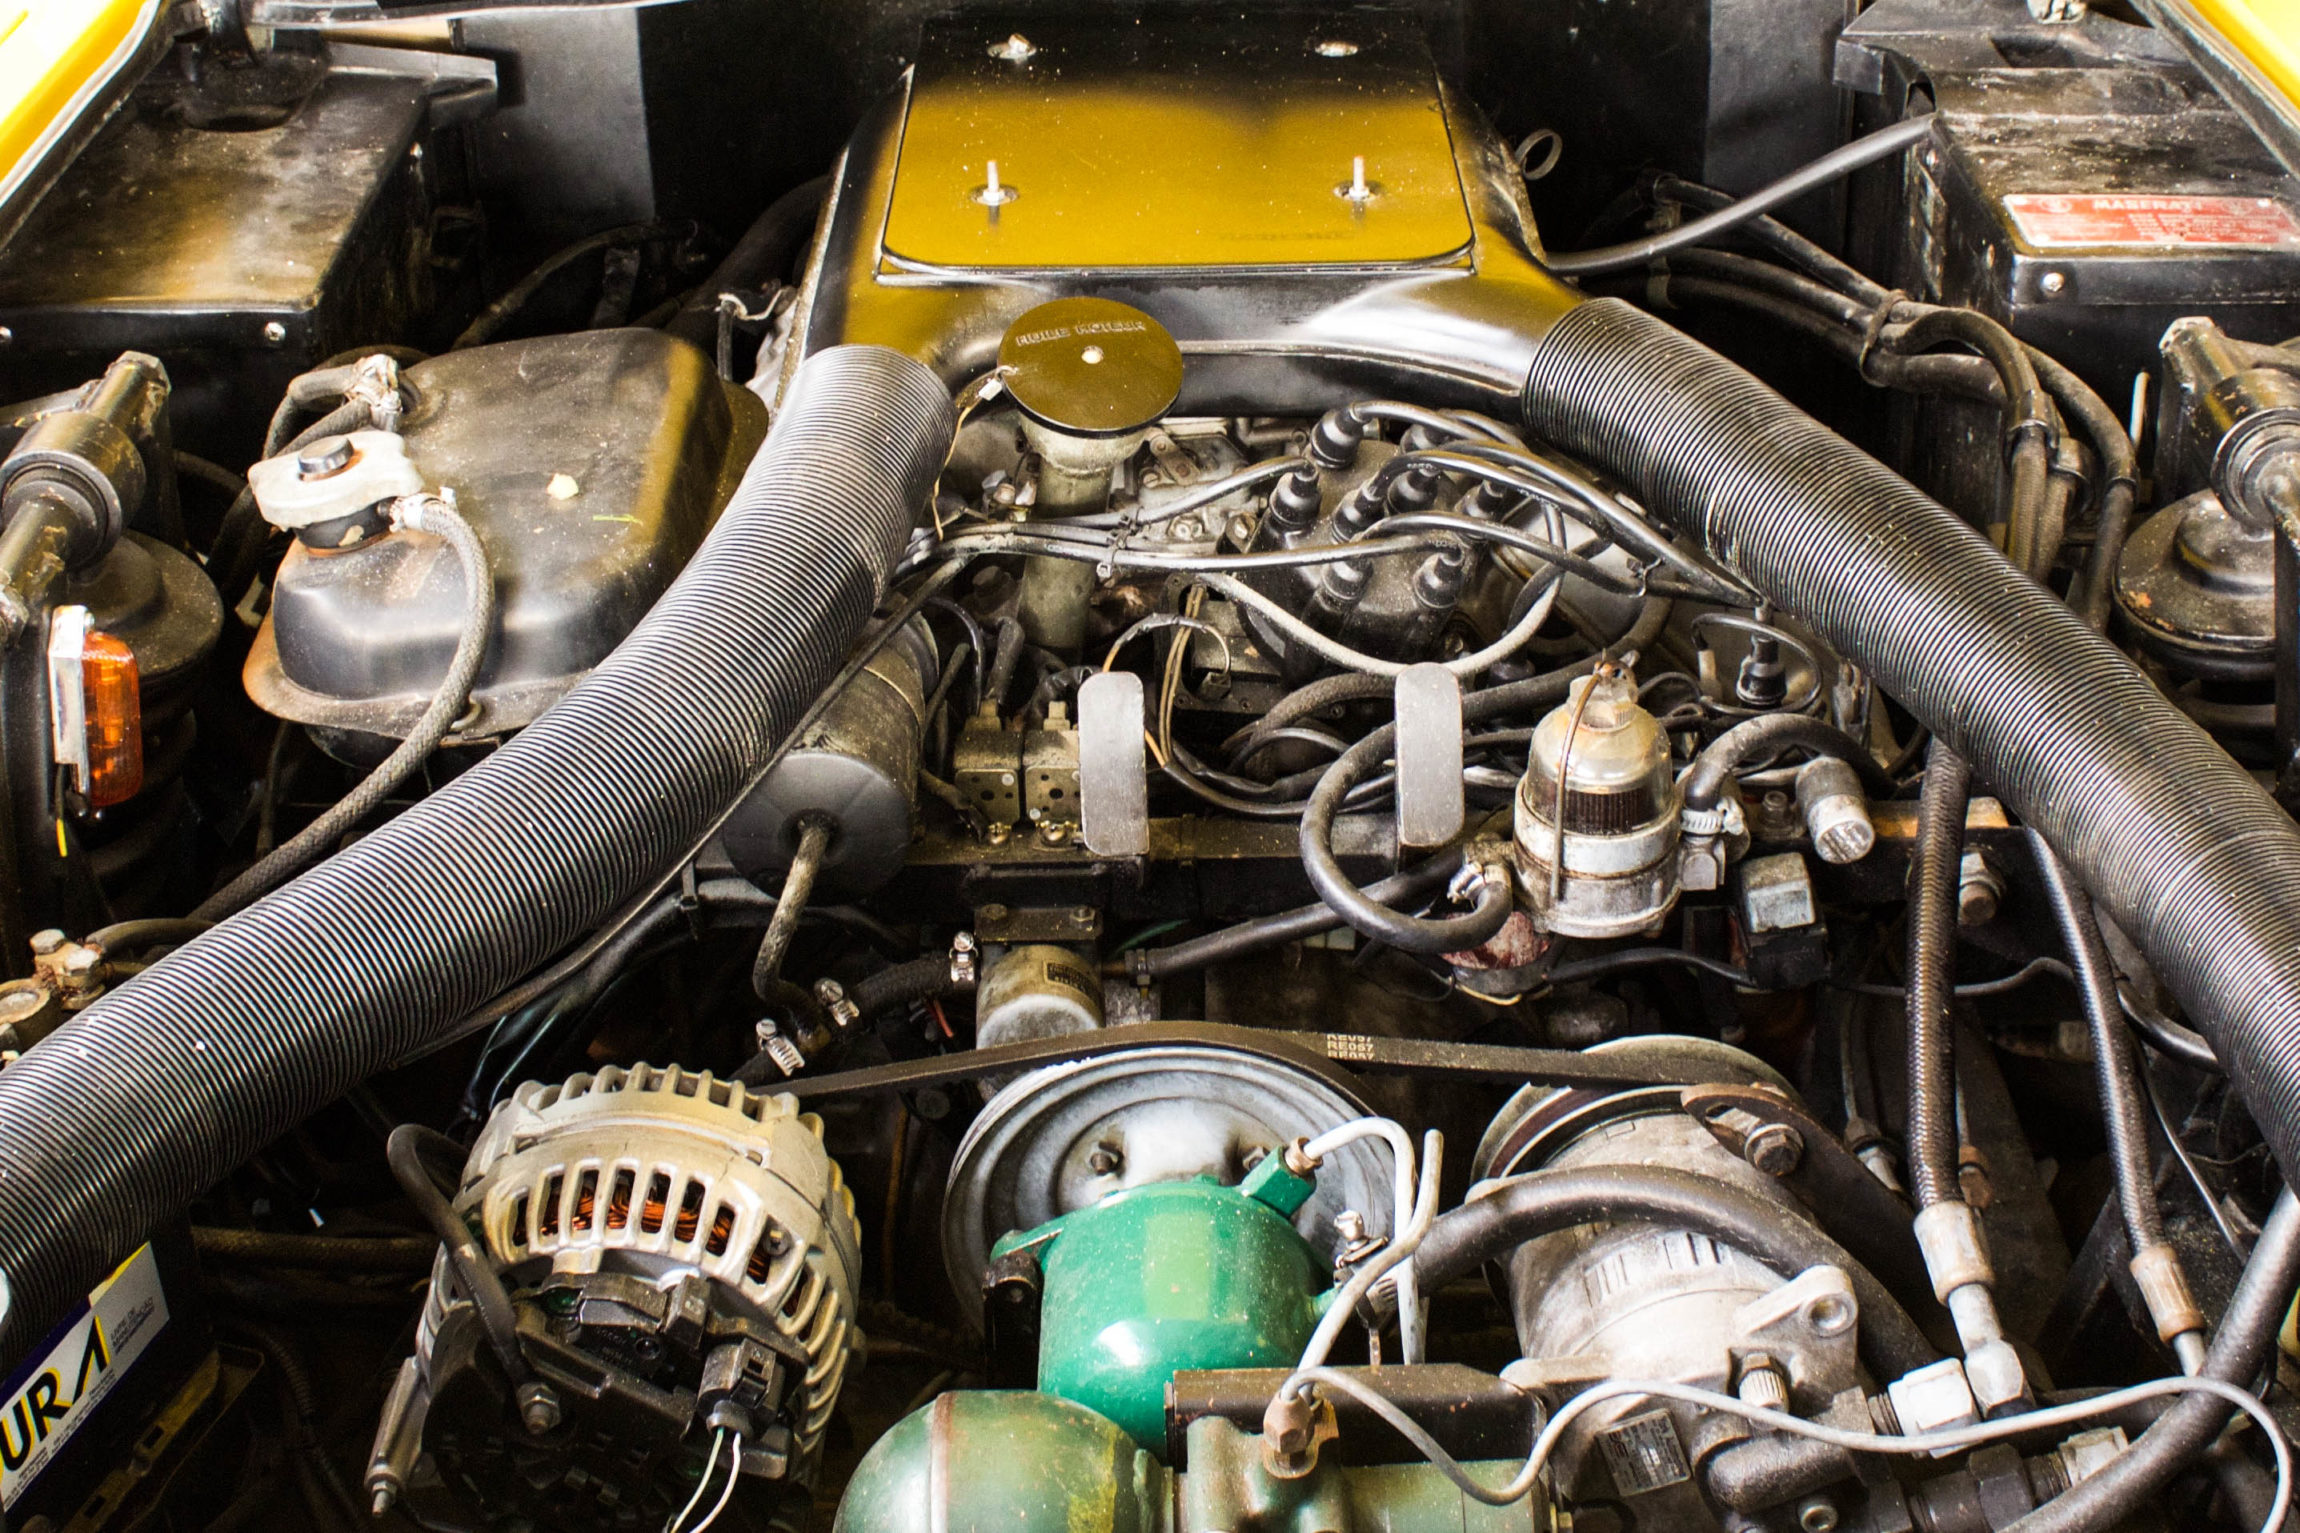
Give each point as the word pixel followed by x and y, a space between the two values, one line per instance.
pixel 1490 1226
pixel 112 1124
pixel 1768 735
pixel 2176 842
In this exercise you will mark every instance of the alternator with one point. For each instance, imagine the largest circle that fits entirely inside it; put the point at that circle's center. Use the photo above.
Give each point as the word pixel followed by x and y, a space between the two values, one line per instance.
pixel 681 1255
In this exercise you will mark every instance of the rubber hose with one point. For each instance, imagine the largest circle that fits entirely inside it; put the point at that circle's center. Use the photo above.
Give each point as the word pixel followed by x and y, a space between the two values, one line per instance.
pixel 2240 1349
pixel 2179 846
pixel 1834 166
pixel 133 936
pixel 764 254
pixel 448 704
pixel 1522 1208
pixel 1934 866
pixel 353 1253
pixel 118 1119
pixel 918 980
pixel 1368 916
pixel 1760 738
pixel 405 1150
pixel 815 833
pixel 1266 932
pixel 1005 659
pixel 2116 1070
pixel 2169 1037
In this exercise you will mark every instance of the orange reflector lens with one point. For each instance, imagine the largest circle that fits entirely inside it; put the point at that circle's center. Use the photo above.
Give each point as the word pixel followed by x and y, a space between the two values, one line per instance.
pixel 115 721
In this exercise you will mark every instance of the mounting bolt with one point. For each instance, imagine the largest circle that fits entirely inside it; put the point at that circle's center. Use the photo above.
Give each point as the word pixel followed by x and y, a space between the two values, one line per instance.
pixel 1774 1148
pixel 538 1407
pixel 2052 284
pixel 275 333
pixel 44 943
pixel 1762 1384
pixel 1980 889
pixel 1817 1514
pixel 994 193
pixel 1106 1160
pixel 1017 49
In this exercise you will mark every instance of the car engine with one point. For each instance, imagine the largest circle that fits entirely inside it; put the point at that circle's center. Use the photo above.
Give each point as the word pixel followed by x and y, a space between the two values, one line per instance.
pixel 903 769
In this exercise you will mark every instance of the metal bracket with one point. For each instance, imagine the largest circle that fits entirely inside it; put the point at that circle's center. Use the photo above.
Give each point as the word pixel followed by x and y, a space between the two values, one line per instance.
pixel 1113 779
pixel 1431 806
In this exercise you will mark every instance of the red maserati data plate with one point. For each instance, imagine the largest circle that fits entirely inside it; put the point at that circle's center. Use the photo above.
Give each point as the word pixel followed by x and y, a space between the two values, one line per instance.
pixel 2075 221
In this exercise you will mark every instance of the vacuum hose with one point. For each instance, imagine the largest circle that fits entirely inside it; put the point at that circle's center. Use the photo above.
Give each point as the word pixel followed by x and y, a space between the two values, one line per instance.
pixel 117 1120
pixel 2178 845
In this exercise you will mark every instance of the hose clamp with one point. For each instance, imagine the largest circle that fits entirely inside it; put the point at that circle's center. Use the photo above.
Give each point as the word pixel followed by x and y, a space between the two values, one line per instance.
pixel 1726 819
pixel 1874 330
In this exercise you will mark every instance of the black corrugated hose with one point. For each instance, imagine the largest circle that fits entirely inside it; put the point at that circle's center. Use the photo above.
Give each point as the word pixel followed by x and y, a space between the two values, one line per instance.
pixel 2179 846
pixel 116 1121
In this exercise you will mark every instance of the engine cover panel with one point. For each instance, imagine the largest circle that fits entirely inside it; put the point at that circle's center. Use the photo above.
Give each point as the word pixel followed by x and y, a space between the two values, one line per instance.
pixel 1211 146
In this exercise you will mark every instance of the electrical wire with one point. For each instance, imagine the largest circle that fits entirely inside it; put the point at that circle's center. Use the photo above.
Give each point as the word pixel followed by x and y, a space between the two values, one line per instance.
pixel 1833 166
pixel 710 1467
pixel 1922 1444
pixel 734 1474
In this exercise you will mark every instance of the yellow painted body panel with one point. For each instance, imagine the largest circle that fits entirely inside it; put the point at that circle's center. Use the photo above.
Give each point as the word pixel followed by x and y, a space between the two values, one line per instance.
pixel 55 57
pixel 2265 31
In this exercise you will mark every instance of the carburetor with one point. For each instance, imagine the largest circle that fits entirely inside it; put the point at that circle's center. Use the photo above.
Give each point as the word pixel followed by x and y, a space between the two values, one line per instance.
pixel 680 1257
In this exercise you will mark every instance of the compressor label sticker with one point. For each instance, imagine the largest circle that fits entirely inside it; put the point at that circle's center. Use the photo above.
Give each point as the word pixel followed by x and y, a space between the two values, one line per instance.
pixel 2050 221
pixel 53 1395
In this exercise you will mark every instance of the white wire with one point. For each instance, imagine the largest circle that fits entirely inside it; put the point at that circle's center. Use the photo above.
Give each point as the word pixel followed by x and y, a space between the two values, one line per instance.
pixel 1402 1246
pixel 1297 631
pixel 1923 1443
pixel 734 1473
pixel 1401 1146
pixel 710 1467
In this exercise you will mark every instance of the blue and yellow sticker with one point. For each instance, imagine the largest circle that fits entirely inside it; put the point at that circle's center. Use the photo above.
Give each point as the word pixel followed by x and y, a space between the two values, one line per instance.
pixel 58 1389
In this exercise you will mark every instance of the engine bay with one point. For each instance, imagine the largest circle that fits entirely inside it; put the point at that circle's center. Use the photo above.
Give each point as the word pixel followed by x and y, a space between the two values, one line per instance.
pixel 1153 771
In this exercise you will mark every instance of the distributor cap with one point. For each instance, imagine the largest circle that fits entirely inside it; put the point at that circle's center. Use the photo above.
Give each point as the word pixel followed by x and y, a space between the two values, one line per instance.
pixel 1091 367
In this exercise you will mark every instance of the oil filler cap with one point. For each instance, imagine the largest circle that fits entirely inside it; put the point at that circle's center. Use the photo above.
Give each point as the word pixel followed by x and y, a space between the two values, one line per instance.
pixel 1091 367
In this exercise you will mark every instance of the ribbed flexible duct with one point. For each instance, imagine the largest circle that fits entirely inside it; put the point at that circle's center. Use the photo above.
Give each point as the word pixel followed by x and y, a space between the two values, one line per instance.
pixel 122 1116
pixel 2174 839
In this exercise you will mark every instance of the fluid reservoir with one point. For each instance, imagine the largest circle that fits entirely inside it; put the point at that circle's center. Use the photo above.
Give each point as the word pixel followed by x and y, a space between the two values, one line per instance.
pixel 1598 782
pixel 1091 376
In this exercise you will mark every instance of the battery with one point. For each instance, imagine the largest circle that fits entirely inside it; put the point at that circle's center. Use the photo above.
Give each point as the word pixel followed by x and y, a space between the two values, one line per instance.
pixel 2085 187
pixel 244 226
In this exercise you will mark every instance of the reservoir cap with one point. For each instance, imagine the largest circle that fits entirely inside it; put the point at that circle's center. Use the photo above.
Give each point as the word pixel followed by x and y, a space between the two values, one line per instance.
pixel 1091 367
